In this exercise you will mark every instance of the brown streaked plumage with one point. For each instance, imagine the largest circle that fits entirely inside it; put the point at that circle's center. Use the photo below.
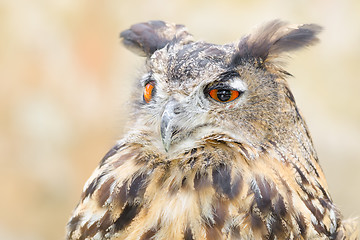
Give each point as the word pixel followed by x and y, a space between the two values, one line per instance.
pixel 217 148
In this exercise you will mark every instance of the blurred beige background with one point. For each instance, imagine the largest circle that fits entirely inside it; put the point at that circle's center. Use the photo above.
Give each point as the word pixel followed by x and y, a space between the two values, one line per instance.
pixel 65 80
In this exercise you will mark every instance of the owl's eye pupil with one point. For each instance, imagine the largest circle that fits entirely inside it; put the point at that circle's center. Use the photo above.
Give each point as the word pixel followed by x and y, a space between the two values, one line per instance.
pixel 224 95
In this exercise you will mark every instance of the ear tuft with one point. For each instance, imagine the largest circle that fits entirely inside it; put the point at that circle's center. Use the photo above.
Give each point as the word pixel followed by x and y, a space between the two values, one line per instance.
pixel 145 38
pixel 276 38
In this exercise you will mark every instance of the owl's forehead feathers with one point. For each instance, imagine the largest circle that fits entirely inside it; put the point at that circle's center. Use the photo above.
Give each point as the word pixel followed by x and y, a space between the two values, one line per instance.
pixel 181 63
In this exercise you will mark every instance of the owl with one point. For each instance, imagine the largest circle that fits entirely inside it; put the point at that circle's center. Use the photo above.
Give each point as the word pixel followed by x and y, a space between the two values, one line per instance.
pixel 216 148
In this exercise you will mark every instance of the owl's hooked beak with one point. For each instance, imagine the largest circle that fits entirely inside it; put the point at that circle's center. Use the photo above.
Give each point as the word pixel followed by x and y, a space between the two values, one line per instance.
pixel 167 126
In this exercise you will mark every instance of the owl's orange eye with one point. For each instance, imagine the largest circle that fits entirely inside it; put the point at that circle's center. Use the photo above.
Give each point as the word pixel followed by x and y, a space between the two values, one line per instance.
pixel 224 95
pixel 148 92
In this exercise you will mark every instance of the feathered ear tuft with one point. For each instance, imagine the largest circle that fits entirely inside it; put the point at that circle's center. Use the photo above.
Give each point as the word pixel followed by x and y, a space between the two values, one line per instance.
pixel 145 38
pixel 274 39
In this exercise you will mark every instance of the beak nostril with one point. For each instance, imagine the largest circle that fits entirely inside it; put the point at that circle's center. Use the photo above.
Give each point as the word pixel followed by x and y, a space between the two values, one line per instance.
pixel 177 109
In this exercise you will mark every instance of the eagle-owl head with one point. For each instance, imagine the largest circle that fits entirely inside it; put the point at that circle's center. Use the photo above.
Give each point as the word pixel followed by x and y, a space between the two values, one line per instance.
pixel 193 90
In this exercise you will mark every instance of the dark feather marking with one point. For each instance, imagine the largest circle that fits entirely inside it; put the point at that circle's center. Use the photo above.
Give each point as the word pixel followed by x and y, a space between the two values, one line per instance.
pixel 325 194
pixel 306 190
pixel 226 76
pixel 110 153
pixel 131 190
pixel 138 187
pixel 318 215
pixel 301 223
pixel 105 222
pixel 289 94
pixel 90 231
pixel 291 97
pixel 285 73
pixel 193 151
pixel 326 203
pixel 183 181
pixel 263 194
pixel 279 207
pixel 207 159
pixel 214 225
pixel 188 234
pixel 263 149
pixel 236 186
pixel 315 171
pixel 201 180
pixel 121 195
pixel 309 137
pixel 83 231
pixel 256 221
pixel 127 215
pixel 73 224
pixel 335 235
pixel 124 158
pixel 191 161
pixel 321 229
pixel 272 143
pixel 243 149
pixel 148 235
pixel 221 179
pixel 302 176
pixel 104 191
pixel 93 186
pixel 277 229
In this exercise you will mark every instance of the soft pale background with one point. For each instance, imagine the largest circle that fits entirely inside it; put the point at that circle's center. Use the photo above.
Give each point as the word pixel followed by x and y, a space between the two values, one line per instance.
pixel 65 80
